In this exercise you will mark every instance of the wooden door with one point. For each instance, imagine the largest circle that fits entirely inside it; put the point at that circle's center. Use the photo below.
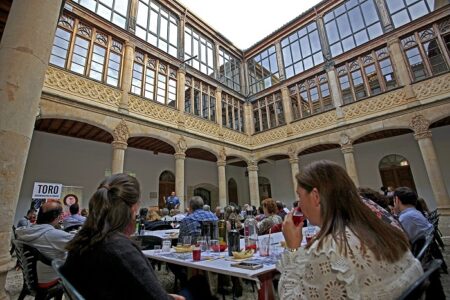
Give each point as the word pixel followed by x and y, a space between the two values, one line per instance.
pixel 232 191
pixel 205 194
pixel 165 189
pixel 397 176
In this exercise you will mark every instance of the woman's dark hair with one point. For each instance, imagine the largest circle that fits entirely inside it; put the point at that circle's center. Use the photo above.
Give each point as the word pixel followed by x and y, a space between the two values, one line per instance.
pixel 376 197
pixel 109 212
pixel 341 207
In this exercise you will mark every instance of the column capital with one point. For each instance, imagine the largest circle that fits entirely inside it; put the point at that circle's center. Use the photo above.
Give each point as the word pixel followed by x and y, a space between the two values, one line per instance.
pixel 293 161
pixel 181 146
pixel 221 163
pixel 182 71
pixel 421 126
pixel 292 152
pixel 119 145
pixel 180 155
pixel 252 168
pixel 347 148
pixel 121 132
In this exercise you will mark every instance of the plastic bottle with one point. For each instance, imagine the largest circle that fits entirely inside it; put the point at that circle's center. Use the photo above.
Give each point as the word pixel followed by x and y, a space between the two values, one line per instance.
pixel 250 232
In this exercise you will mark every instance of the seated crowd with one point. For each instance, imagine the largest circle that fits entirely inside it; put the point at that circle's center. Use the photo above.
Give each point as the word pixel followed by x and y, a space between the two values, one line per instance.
pixel 362 250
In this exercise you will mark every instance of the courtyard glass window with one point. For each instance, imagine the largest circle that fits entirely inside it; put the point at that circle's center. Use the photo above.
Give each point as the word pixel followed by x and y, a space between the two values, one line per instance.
pixel 405 11
pixel 158 26
pixel 301 50
pixel 154 79
pixel 232 112
pixel 200 50
pixel 352 24
pixel 200 98
pixel 229 70
pixel 115 11
pixel 367 75
pixel 423 50
pixel 268 112
pixel 310 97
pixel 263 70
pixel 93 53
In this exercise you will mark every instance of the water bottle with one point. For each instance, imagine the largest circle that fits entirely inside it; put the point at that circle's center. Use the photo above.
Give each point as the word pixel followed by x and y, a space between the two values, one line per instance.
pixel 250 232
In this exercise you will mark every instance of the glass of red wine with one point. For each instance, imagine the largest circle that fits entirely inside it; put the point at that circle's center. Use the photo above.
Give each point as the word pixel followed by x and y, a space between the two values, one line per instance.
pixel 297 216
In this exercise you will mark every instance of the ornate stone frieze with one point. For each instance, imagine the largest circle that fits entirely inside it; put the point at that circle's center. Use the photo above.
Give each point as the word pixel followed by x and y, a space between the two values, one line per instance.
pixel 201 126
pixel 314 122
pixel 121 132
pixel 375 104
pixel 235 137
pixel 153 110
pixel 432 87
pixel 82 87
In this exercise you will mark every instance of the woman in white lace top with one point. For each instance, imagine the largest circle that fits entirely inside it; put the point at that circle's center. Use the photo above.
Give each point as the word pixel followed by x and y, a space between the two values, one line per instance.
pixel 355 255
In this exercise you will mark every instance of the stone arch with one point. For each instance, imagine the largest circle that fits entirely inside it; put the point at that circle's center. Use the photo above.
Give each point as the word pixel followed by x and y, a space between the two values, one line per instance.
pixel 388 131
pixel 74 128
pixel 200 153
pixel 444 121
pixel 204 147
pixel 317 148
pixel 207 186
pixel 154 136
pixel 151 144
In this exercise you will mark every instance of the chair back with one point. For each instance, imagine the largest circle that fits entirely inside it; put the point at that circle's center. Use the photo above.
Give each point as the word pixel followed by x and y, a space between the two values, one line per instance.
pixel 148 242
pixel 71 228
pixel 418 287
pixel 69 289
pixel 421 246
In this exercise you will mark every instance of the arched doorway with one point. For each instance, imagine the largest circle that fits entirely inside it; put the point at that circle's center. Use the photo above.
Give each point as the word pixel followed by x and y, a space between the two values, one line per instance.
pixel 395 171
pixel 166 186
pixel 205 194
pixel 265 191
pixel 232 191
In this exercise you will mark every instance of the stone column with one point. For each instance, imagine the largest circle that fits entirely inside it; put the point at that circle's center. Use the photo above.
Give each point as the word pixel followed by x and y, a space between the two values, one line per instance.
pixel 293 161
pixel 24 56
pixel 121 134
pixel 287 107
pixel 219 106
pixel 335 92
pixel 350 164
pixel 248 119
pixel 181 37
pixel 384 14
pixel 180 156
pixel 222 182
pixel 280 60
pixel 181 79
pixel 422 134
pixel 400 66
pixel 132 16
pixel 253 182
pixel 128 60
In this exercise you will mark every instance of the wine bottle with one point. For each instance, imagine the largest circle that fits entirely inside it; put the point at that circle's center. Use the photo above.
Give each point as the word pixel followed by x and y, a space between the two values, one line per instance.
pixel 233 239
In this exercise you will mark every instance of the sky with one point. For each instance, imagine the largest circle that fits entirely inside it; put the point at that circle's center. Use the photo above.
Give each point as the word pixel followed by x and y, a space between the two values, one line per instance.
pixel 232 18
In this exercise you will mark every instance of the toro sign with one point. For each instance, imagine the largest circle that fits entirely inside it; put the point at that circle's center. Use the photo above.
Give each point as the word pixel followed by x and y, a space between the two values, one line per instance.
pixel 46 190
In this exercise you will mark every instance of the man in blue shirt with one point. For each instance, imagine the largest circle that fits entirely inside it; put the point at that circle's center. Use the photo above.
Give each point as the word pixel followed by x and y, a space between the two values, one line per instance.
pixel 74 220
pixel 172 201
pixel 413 222
pixel 191 224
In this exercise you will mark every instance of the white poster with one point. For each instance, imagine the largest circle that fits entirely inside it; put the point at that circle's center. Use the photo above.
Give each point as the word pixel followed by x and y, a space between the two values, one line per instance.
pixel 47 190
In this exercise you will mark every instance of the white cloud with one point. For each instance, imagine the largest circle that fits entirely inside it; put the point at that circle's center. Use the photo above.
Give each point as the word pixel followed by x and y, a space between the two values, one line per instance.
pixel 245 22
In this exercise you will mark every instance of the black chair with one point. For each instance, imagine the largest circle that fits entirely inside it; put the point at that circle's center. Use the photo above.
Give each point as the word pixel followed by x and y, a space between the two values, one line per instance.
pixel 71 228
pixel 157 225
pixel 69 289
pixel 418 288
pixel 28 256
pixel 421 246
pixel 148 242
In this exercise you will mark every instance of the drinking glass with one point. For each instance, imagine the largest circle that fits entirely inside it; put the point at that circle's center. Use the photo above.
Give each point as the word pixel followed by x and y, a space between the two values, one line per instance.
pixel 157 248
pixel 264 246
pixel 310 233
pixel 215 247
pixel 187 240
pixel 166 244
pixel 297 216
pixel 196 254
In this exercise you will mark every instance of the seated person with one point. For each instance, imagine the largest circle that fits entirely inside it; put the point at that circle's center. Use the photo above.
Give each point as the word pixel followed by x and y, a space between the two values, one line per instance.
pixel 43 236
pixel 29 219
pixel 74 219
pixel 177 216
pixel 154 222
pixel 413 221
pixel 271 218
pixel 354 255
pixel 103 263
pixel 165 215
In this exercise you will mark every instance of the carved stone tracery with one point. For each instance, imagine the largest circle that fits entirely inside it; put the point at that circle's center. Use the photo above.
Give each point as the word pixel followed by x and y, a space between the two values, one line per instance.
pixel 420 125
pixel 121 132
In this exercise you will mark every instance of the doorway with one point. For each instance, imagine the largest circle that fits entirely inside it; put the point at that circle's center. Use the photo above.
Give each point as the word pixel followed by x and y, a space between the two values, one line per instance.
pixel 395 171
pixel 166 186
pixel 265 190
pixel 232 191
pixel 205 194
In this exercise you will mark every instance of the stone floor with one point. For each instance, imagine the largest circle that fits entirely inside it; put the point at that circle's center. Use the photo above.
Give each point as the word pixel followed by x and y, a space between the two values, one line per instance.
pixel 14 281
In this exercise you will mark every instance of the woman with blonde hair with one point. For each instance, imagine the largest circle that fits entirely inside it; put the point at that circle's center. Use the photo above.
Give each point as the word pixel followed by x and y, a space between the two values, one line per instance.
pixel 355 255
